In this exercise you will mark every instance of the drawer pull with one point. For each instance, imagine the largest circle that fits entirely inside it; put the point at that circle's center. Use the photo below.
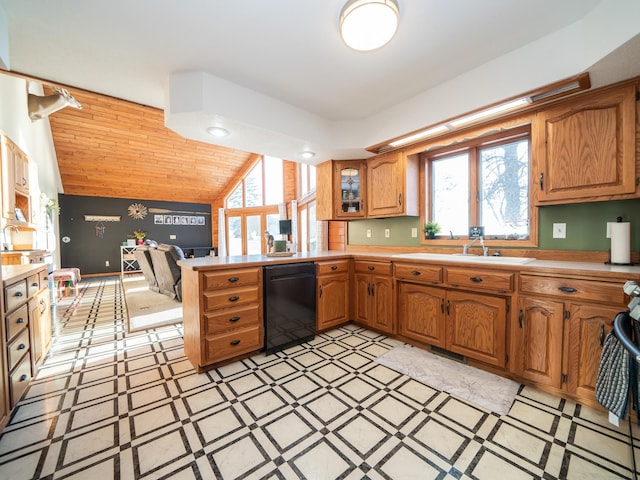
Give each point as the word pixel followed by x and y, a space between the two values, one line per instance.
pixel 448 307
pixel 602 335
pixel 415 272
pixel 233 279
pixel 320 291
pixel 18 294
pixel 567 289
pixel 20 320
pixel 234 342
pixel 35 284
pixel 235 298
pixel 334 267
pixel 442 305
pixel 520 318
pixel 23 377
pixel 234 319
pixel 475 279
pixel 371 267
pixel 22 346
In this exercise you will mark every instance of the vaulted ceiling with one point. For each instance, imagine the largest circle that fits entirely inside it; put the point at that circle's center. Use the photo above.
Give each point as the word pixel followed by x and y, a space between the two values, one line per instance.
pixel 115 148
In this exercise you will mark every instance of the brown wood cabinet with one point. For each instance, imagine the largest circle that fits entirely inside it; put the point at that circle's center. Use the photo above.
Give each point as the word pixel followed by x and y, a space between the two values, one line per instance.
pixel 585 149
pixel 392 185
pixel 421 314
pixel 558 330
pixel 340 190
pixel 222 314
pixel 333 294
pixel 373 295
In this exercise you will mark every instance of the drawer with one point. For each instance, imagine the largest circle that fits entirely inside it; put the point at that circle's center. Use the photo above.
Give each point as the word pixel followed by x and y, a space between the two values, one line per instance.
pixel 20 380
pixel 419 273
pixel 223 321
pixel 339 266
pixel 480 279
pixel 33 284
pixel 43 276
pixel 230 278
pixel 231 297
pixel 377 268
pixel 570 288
pixel 232 344
pixel 18 348
pixel 16 321
pixel 15 294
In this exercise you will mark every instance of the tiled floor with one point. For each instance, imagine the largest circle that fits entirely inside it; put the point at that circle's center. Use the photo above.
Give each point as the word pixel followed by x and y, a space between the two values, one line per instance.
pixel 107 404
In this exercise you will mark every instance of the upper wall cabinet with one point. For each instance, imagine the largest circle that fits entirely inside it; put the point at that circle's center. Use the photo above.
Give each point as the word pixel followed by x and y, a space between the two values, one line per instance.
pixel 340 190
pixel 392 185
pixel 584 150
pixel 18 173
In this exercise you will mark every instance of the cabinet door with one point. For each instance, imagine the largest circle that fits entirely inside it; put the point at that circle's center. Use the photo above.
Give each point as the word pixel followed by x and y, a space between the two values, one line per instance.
pixel 349 189
pixel 8 183
pixel 333 300
pixel 536 341
pixel 585 149
pixel 362 296
pixel 588 327
pixel 385 185
pixel 476 326
pixel 421 313
pixel 46 332
pixel 35 328
pixel 382 300
pixel 21 171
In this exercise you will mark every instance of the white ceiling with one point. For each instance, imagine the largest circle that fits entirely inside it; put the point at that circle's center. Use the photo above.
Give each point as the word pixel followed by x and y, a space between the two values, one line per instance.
pixel 277 75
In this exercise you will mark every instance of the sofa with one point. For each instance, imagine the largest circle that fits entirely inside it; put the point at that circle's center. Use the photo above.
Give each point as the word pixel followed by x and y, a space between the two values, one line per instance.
pixel 142 255
pixel 164 259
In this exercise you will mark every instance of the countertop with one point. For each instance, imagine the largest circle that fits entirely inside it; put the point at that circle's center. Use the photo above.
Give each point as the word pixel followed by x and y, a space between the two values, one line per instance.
pixel 539 266
pixel 12 273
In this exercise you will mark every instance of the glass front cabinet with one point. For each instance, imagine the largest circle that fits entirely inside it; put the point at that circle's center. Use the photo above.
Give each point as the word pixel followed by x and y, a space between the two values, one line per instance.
pixel 349 189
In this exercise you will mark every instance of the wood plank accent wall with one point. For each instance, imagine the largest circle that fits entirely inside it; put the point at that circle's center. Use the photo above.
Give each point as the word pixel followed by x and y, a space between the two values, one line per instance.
pixel 119 149
pixel 337 235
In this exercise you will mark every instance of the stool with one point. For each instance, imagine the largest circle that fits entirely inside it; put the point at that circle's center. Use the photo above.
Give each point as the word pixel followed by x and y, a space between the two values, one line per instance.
pixel 65 279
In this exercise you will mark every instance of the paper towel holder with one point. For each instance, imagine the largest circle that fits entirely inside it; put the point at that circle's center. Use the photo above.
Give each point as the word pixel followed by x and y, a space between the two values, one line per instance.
pixel 619 220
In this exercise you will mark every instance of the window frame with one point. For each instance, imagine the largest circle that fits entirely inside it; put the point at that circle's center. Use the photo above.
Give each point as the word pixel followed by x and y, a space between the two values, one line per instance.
pixel 471 146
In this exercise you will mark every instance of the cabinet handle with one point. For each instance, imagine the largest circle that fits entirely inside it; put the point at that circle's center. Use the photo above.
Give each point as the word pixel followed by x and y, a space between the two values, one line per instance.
pixel 234 298
pixel 448 307
pixel 233 343
pixel 234 319
pixel 442 305
pixel 18 294
pixel 23 377
pixel 542 181
pixel 371 267
pixel 20 320
pixel 602 335
pixel 334 267
pixel 369 289
pixel 520 318
pixel 320 291
pixel 415 272
pixel 35 284
pixel 22 346
pixel 567 289
pixel 475 279
pixel 373 289
pixel 400 199
pixel 233 279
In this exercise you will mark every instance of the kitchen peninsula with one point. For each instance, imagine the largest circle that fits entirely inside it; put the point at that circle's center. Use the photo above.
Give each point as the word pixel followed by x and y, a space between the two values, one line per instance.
pixel 539 322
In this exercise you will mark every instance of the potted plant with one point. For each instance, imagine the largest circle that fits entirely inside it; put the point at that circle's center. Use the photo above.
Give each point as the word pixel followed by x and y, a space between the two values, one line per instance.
pixel 430 229
pixel 140 234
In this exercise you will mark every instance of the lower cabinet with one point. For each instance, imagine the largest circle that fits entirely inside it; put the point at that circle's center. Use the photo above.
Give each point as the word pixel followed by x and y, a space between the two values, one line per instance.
pixel 421 313
pixel 373 294
pixel 333 292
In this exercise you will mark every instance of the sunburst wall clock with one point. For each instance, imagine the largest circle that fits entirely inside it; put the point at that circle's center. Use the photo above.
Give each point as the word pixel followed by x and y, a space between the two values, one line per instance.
pixel 137 211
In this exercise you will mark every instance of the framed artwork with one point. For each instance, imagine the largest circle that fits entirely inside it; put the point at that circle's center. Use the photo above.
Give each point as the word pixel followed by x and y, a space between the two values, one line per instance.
pixel 168 220
pixel 158 219
pixel 184 220
pixel 192 220
pixel 200 220
pixel 176 219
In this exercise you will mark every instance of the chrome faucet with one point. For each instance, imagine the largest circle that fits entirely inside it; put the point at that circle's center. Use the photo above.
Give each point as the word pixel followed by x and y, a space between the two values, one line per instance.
pixel 5 237
pixel 485 250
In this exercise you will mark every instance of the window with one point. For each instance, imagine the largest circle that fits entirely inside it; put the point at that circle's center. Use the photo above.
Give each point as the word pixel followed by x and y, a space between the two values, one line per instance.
pixel 308 227
pixel 483 183
pixel 307 179
pixel 263 185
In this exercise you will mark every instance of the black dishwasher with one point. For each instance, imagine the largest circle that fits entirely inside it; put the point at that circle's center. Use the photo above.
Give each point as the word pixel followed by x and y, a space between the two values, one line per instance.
pixel 289 305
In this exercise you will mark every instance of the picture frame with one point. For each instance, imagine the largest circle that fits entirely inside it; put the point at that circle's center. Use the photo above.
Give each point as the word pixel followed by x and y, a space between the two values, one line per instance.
pixel 192 220
pixel 184 220
pixel 158 219
pixel 200 220
pixel 168 220
pixel 176 219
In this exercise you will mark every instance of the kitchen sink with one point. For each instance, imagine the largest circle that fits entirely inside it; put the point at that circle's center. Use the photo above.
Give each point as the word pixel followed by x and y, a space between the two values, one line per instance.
pixel 458 257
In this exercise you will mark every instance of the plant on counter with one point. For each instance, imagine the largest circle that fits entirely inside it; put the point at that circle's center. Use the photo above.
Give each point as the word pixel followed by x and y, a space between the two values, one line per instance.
pixel 430 229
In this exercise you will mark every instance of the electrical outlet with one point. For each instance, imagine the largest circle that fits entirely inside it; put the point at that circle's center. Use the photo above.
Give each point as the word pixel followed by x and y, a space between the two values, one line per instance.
pixel 387 233
pixel 414 232
pixel 368 233
pixel 559 230
pixel 609 227
pixel 106 263
pixel 172 237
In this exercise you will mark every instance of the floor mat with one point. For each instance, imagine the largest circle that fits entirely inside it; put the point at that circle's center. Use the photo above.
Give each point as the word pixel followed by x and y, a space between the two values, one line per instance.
pixel 473 385
pixel 148 309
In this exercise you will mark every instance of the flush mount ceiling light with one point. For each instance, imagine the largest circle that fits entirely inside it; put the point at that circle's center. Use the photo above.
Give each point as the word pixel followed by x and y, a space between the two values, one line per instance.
pixel 217 131
pixel 307 154
pixel 368 24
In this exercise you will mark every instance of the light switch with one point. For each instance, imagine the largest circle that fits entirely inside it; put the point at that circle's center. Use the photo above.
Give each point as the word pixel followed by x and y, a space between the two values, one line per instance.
pixel 387 233
pixel 368 233
pixel 559 230
pixel 414 232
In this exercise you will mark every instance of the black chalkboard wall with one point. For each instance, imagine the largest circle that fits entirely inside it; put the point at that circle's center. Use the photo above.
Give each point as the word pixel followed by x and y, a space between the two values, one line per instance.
pixel 90 244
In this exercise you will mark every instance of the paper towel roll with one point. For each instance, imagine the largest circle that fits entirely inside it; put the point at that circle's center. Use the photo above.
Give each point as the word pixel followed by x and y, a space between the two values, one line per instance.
pixel 621 242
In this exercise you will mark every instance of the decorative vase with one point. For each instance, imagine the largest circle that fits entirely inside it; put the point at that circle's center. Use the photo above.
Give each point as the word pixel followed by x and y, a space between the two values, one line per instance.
pixel 140 241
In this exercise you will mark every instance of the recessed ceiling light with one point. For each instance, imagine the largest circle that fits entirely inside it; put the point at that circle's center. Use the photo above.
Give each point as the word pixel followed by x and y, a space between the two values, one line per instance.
pixel 217 131
pixel 307 154
pixel 368 24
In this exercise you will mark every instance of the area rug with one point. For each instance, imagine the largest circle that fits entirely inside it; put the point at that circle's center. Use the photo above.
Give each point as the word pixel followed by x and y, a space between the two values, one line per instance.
pixel 470 384
pixel 147 309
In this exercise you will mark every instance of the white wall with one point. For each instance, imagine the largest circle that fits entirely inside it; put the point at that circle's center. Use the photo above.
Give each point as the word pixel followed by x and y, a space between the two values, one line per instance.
pixel 34 138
